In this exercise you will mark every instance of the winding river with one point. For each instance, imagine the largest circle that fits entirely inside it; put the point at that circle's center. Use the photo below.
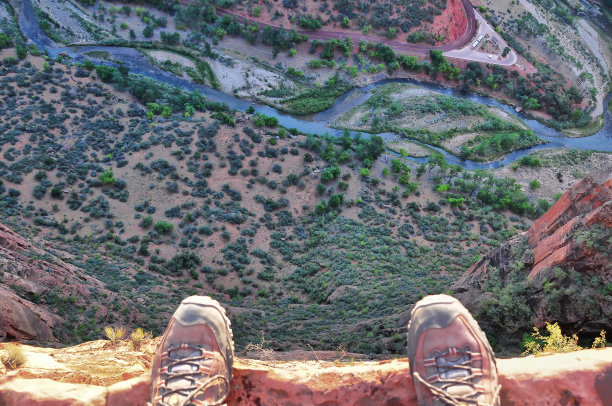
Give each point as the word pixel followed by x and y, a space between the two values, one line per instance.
pixel 318 123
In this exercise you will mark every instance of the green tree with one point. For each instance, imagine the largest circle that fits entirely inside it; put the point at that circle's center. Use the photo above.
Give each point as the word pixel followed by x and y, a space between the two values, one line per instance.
pixel 532 104
pixel 106 73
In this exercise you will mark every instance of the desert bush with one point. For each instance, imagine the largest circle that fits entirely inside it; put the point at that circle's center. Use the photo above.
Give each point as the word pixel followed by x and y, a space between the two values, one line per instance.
pixel 14 357
pixel 138 336
pixel 534 184
pixel 163 227
pixel 554 342
pixel 114 334
pixel 107 177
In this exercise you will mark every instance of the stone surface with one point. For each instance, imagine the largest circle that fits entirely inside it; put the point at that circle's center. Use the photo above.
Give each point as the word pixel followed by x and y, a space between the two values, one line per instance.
pixel 586 204
pixel 583 377
pixel 33 268
pixel 21 319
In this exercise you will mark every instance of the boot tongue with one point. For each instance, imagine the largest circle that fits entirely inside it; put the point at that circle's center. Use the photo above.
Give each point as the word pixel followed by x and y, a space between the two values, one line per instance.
pixel 446 366
pixel 184 381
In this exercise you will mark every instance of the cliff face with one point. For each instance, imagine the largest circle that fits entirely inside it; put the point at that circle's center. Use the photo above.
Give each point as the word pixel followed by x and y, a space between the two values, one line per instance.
pixel 96 373
pixel 560 268
pixel 35 270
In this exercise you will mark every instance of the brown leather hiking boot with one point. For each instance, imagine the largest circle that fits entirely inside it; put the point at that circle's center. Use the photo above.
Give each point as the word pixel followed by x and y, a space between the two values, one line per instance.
pixel 451 361
pixel 193 364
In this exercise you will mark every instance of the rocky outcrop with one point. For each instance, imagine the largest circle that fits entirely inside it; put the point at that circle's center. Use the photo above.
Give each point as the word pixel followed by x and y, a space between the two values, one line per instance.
pixel 563 263
pixel 96 373
pixel 23 320
pixel 33 269
pixel 587 204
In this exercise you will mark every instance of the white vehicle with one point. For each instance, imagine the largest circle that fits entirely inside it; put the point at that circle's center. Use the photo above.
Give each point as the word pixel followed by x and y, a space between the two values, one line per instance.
pixel 490 56
pixel 480 38
pixel 475 44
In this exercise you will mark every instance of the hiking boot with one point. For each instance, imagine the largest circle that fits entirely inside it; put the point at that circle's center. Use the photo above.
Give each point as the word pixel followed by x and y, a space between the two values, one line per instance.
pixel 193 364
pixel 451 361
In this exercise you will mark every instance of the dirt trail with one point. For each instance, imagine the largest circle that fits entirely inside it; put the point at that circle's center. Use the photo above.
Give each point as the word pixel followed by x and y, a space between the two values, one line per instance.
pixel 460 42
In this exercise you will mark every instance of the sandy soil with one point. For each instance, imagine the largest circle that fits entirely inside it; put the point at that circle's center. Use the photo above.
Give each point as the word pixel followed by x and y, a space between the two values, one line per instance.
pixel 162 56
pixel 65 14
pixel 360 117
pixel 247 80
pixel 412 148
pixel 598 47
pixel 454 144
pixel 554 163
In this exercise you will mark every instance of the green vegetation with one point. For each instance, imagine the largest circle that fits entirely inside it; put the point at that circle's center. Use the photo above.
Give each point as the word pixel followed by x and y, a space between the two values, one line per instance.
pixel 555 341
pixel 534 184
pixel 201 15
pixel 170 195
pixel 163 227
pixel 499 144
pixel 434 119
pixel 316 99
pixel 107 178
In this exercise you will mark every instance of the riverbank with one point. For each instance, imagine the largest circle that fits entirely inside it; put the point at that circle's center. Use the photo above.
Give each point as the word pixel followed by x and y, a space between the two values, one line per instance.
pixel 309 124
pixel 461 127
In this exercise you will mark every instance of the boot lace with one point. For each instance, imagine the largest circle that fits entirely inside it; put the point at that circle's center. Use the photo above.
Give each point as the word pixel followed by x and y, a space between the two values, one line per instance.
pixel 187 368
pixel 454 367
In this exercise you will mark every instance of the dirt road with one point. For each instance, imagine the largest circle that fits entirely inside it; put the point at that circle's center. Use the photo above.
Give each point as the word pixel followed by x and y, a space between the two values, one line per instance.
pixel 459 43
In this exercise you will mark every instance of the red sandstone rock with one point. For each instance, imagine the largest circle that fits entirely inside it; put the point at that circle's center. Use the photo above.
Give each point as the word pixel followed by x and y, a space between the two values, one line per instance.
pixel 587 203
pixel 583 377
pixel 23 320
pixel 582 198
pixel 35 271
pixel 560 238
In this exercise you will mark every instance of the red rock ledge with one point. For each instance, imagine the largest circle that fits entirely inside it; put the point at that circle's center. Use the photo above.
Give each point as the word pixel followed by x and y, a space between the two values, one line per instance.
pixel 119 376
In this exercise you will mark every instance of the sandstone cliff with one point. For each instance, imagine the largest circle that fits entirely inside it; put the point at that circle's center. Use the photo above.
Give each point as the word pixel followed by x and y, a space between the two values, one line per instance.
pixel 42 276
pixel 96 373
pixel 560 270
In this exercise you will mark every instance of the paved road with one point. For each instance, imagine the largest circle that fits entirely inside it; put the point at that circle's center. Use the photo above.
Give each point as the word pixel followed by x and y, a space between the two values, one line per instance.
pixel 471 54
pixel 459 43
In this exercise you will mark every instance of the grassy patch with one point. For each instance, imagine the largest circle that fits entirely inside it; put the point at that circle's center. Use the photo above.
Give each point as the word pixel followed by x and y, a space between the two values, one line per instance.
pixel 591 128
pixel 14 357
pixel 202 74
pixel 100 55
pixel 314 100
pixel 488 147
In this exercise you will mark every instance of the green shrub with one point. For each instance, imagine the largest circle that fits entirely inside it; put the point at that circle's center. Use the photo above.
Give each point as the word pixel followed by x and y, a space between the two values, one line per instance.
pixel 107 177
pixel 163 227
pixel 534 184
pixel 554 342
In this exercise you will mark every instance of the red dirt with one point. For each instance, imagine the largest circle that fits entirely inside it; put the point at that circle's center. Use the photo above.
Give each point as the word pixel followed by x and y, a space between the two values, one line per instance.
pixel 452 23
